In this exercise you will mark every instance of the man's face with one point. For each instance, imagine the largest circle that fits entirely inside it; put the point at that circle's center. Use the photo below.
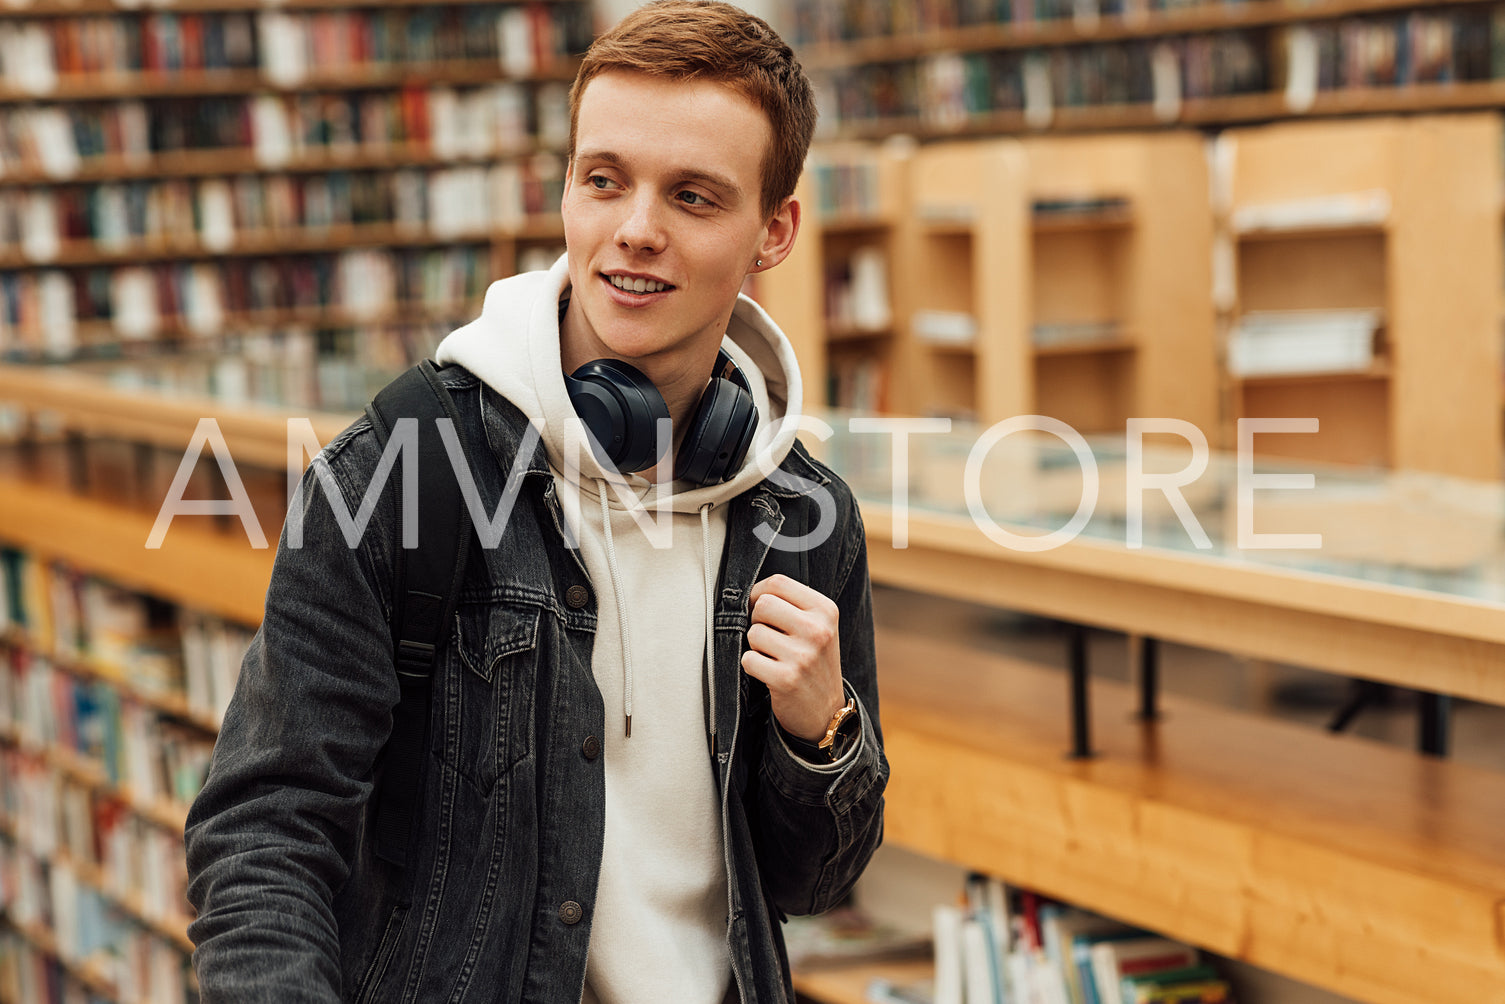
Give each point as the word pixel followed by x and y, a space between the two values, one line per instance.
pixel 662 196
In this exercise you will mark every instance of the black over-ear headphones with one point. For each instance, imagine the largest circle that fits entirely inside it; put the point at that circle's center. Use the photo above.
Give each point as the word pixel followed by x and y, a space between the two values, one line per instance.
pixel 621 409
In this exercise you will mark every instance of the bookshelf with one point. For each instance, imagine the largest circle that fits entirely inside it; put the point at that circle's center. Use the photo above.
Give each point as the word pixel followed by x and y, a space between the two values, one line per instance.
pixel 839 294
pixel 981 68
pixel 1065 276
pixel 176 180
pixel 116 662
pixel 1385 249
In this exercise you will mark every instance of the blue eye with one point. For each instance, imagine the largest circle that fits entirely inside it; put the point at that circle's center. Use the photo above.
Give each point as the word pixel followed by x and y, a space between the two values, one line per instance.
pixel 703 201
pixel 598 182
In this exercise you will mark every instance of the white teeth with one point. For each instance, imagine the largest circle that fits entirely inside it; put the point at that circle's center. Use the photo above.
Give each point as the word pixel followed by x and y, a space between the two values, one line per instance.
pixel 638 285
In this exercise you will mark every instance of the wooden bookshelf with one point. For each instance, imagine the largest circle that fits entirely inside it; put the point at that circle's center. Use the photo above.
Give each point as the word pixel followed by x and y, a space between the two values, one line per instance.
pixel 114 87
pixel 84 405
pixel 1141 97
pixel 91 976
pixel 200 568
pixel 853 198
pixel 1430 397
pixel 1122 241
pixel 1189 19
pixel 74 8
pixel 307 240
pixel 238 161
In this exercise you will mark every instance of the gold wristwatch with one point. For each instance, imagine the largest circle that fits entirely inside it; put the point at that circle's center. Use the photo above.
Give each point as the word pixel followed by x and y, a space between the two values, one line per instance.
pixel 845 727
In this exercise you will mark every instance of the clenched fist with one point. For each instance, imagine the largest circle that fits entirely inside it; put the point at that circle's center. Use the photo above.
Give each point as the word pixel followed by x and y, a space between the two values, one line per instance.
pixel 794 649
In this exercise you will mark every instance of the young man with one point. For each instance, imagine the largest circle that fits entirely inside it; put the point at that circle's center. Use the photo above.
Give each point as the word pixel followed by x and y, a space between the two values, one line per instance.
pixel 644 748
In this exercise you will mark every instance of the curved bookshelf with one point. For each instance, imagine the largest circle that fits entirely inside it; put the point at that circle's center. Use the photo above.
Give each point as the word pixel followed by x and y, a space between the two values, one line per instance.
pixel 375 76
pixel 1194 19
pixel 238 160
pixel 253 244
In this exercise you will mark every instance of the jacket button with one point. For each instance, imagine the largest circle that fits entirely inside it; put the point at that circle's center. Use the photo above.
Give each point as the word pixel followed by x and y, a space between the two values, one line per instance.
pixel 577 596
pixel 591 748
pixel 570 912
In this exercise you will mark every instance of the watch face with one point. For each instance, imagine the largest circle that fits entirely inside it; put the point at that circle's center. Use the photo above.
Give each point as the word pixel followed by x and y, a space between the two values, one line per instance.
pixel 846 734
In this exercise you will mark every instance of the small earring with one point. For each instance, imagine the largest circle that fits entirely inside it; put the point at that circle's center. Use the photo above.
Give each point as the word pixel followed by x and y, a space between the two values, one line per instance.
pixel 760 262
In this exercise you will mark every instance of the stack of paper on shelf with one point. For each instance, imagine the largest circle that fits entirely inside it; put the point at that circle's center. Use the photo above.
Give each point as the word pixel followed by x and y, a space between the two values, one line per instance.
pixel 1270 342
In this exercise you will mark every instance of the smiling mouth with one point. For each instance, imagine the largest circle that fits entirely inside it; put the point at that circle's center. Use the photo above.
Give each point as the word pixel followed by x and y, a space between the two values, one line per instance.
pixel 637 287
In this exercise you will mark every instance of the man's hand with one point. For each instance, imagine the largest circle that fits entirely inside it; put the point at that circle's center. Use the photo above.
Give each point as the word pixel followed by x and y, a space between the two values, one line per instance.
pixel 794 648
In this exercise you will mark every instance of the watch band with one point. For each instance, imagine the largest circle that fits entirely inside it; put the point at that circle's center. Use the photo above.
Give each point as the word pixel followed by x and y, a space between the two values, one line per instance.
pixel 827 749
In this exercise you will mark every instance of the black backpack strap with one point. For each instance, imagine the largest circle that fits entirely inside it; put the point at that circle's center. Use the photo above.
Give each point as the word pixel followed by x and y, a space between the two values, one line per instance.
pixel 425 589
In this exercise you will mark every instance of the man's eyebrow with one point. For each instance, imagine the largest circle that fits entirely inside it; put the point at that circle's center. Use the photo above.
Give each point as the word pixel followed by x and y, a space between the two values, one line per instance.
pixel 711 178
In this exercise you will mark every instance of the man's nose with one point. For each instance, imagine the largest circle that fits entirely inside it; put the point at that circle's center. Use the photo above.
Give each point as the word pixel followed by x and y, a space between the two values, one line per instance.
pixel 641 229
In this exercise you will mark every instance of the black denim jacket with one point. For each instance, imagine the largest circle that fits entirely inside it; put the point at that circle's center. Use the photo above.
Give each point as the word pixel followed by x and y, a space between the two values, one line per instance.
pixel 495 903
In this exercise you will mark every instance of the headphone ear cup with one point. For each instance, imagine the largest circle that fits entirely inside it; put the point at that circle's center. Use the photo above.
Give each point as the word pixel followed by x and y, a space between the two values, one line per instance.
pixel 720 433
pixel 621 408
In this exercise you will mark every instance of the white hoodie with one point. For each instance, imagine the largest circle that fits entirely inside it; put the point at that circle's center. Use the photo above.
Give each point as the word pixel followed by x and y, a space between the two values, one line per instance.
pixel 659 921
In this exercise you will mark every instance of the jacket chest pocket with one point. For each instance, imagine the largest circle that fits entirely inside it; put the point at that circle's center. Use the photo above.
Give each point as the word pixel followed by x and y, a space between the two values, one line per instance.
pixel 489 703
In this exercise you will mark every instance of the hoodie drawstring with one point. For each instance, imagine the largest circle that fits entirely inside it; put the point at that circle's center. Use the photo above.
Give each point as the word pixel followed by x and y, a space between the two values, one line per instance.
pixel 710 618
pixel 616 587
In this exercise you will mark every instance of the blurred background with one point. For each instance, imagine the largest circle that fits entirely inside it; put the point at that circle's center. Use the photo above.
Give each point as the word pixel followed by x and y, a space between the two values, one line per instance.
pixel 1091 210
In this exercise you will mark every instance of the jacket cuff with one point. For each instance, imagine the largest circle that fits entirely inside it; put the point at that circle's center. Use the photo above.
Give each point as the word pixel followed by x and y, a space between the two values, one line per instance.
pixel 864 738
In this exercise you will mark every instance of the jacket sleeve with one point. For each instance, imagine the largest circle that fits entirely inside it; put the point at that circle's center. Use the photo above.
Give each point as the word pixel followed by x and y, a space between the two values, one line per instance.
pixel 271 836
pixel 817 828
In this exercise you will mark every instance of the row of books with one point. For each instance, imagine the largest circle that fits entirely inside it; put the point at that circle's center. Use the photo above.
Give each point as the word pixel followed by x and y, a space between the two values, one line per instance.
pixel 47 314
pixel 523 39
pixel 818 22
pixel 287 47
pixel 846 187
pixel 947 89
pixel 278 130
pixel 130 860
pixel 1420 47
pixel 288 367
pixel 1007 946
pixel 145 756
pixel 145 643
pixel 91 934
pixel 215 215
pixel 155 42
pixel 336 370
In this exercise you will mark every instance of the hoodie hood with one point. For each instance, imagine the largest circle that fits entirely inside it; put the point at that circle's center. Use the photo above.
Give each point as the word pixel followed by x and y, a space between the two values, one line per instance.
pixel 514 347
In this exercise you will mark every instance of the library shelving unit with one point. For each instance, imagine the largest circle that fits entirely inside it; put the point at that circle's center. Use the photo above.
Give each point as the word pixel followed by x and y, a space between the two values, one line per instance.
pixel 967 237
pixel 1381 238
pixel 1121 318
pixel 174 180
pixel 838 295
pixel 116 661
pixel 1063 276
pixel 986 67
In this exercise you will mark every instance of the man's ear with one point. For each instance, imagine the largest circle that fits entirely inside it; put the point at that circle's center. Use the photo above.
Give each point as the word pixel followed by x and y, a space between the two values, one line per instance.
pixel 779 233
